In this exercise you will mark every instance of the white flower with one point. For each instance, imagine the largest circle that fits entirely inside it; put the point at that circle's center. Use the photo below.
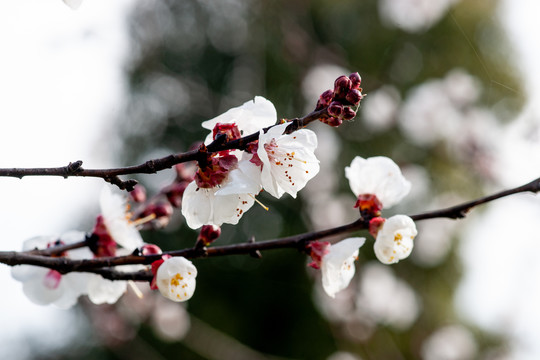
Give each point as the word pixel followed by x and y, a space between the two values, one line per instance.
pixel 395 239
pixel 44 286
pixel 115 217
pixel 337 266
pixel 74 4
pixel 379 176
pixel 175 279
pixel 288 160
pixel 250 117
pixel 221 204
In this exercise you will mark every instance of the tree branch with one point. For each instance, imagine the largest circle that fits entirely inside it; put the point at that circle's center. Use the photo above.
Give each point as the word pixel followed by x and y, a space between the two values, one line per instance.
pixel 150 166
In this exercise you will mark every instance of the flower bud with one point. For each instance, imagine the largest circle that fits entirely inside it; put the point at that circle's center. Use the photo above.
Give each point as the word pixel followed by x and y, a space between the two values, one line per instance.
pixel 174 192
pixel 356 81
pixel 208 234
pixel 335 109
pixel 138 194
pixel 348 113
pixel 150 249
pixel 354 97
pixel 325 99
pixel 342 85
pixel 333 121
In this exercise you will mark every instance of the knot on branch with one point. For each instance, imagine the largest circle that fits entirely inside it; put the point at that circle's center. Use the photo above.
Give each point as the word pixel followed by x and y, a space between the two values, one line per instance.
pixel 73 168
pixel 127 185
pixel 151 166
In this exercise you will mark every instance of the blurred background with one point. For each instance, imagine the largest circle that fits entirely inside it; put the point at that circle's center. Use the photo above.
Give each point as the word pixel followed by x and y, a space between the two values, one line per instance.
pixel 451 98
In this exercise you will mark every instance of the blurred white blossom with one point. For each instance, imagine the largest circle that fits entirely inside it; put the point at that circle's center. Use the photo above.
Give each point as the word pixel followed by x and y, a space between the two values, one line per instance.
pixel 452 342
pixel 413 15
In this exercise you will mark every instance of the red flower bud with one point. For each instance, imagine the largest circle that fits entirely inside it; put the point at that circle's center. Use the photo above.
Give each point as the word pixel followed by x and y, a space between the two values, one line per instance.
pixel 356 80
pixel 354 97
pixel 335 109
pixel 342 85
pixel 208 234
pixel 348 113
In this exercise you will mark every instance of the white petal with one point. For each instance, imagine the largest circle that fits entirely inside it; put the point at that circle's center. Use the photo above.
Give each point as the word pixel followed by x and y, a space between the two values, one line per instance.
pixel 291 163
pixel 379 176
pixel 395 239
pixel 101 291
pixel 113 209
pixel 337 266
pixel 251 117
pixel 175 279
pixel 202 206
pixel 74 4
pixel 245 179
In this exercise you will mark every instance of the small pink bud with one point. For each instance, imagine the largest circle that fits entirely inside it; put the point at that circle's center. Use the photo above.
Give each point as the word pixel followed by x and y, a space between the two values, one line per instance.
pixel 348 113
pixel 150 249
pixel 335 109
pixel 342 85
pixel 138 194
pixel 356 80
pixel 208 234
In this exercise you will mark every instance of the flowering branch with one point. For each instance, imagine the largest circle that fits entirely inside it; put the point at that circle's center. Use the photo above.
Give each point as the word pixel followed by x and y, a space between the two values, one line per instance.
pixel 102 266
pixel 154 165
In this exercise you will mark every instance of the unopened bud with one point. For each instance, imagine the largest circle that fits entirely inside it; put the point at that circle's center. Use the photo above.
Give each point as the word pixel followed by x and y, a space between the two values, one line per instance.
pixel 138 194
pixel 342 85
pixel 348 113
pixel 333 121
pixel 354 97
pixel 208 234
pixel 325 99
pixel 335 109
pixel 356 80
pixel 150 249
pixel 174 193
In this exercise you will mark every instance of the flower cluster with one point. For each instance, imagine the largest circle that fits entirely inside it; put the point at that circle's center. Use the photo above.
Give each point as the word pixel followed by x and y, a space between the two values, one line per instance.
pixel 347 93
pixel 220 189
pixel 228 181
pixel 377 182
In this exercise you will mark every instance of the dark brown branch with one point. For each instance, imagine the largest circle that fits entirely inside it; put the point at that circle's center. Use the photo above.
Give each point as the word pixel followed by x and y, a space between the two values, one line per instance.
pixel 150 166
pixel 103 266
pixel 461 210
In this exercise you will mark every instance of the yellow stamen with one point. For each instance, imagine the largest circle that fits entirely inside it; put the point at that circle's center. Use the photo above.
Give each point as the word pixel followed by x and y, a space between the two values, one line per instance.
pixel 143 220
pixel 135 289
pixel 260 203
